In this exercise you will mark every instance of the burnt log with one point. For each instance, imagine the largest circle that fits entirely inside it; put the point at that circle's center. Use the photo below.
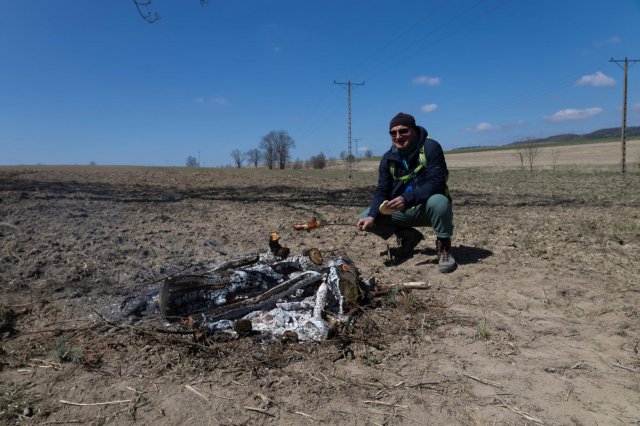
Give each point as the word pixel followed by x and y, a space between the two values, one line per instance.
pixel 189 294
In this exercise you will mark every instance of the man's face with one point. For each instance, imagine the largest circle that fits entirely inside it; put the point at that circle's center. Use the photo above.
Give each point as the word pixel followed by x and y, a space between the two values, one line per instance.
pixel 402 136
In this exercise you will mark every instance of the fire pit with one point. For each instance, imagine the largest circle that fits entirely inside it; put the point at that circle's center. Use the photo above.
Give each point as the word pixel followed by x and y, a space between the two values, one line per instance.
pixel 304 297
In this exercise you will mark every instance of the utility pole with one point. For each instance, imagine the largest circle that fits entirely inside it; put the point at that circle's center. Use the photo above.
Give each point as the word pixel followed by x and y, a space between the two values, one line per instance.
pixel 357 139
pixel 624 107
pixel 349 156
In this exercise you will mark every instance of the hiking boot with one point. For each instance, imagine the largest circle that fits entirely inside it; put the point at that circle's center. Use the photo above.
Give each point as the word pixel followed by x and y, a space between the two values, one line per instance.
pixel 408 238
pixel 446 262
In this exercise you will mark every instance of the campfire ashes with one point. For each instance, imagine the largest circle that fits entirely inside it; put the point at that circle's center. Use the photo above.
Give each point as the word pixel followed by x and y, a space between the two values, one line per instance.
pixel 271 294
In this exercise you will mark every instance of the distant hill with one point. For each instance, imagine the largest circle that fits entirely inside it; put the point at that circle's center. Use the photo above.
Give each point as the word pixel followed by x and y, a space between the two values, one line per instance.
pixel 610 133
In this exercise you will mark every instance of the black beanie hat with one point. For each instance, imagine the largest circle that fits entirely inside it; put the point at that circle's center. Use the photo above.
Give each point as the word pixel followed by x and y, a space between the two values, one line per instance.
pixel 402 119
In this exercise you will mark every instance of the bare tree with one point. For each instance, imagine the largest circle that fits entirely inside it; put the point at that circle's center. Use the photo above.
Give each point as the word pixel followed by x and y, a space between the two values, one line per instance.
pixel 253 156
pixel 318 161
pixel 520 154
pixel 192 161
pixel 151 16
pixel 238 157
pixel 268 145
pixel 276 148
pixel 284 145
pixel 531 151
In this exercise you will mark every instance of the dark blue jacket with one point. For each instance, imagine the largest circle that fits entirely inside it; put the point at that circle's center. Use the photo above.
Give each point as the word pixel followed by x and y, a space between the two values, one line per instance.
pixel 432 179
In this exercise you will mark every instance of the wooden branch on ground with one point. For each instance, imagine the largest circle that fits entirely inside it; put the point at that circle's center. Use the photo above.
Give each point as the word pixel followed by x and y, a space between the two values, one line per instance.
pixel 306 415
pixel 258 410
pixel 387 404
pixel 486 382
pixel 624 367
pixel 92 404
pixel 194 390
pixel 519 412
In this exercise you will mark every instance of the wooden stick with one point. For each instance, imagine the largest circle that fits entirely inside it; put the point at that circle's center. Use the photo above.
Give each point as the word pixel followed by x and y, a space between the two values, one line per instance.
pixel 306 415
pixel 90 404
pixel 486 382
pixel 417 285
pixel 258 410
pixel 192 389
pixel 414 285
pixel 221 397
pixel 520 412
pixel 387 404
pixel 624 367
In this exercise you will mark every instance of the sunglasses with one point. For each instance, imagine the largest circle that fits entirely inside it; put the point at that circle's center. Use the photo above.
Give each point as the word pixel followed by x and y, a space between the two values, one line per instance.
pixel 399 132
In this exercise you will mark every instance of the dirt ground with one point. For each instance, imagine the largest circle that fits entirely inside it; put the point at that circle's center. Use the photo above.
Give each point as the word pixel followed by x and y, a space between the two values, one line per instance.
pixel 538 325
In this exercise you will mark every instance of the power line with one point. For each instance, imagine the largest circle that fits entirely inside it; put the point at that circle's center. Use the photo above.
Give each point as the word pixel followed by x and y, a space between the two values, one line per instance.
pixel 624 107
pixel 349 157
pixel 356 140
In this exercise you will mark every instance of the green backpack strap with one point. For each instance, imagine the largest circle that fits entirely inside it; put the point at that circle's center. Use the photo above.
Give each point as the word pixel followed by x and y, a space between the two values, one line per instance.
pixel 422 164
pixel 409 176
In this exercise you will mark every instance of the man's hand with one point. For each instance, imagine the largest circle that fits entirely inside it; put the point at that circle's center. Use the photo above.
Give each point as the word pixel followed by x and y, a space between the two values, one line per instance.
pixel 397 203
pixel 365 223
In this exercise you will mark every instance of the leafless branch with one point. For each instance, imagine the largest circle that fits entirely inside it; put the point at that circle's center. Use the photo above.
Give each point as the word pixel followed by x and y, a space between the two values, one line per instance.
pixel 150 17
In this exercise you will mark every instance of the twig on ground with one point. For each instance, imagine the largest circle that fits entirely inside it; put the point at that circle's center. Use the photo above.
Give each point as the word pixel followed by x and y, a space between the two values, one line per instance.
pixel 387 404
pixel 91 404
pixel 624 367
pixel 134 390
pixel 306 415
pixel 194 390
pixel 486 382
pixel 413 285
pixel 258 410
pixel 519 412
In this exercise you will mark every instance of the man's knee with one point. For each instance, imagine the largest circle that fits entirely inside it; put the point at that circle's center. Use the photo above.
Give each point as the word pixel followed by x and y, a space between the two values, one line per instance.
pixel 438 205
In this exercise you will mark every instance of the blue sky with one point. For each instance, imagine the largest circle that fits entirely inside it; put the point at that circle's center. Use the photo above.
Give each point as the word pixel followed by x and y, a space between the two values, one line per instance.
pixel 85 81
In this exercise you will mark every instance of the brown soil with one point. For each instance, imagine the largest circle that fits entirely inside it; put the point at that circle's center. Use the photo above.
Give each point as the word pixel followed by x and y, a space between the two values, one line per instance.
pixel 539 324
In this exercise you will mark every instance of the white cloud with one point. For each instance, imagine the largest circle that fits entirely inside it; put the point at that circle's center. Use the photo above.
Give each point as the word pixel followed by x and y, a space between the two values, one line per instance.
pixel 219 101
pixel 483 127
pixel 426 80
pixel 216 101
pixel 610 40
pixel 597 80
pixel 636 107
pixel 573 114
pixel 363 149
pixel 429 107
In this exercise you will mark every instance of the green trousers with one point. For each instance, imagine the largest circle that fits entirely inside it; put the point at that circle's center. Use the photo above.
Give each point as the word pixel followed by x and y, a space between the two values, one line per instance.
pixel 435 213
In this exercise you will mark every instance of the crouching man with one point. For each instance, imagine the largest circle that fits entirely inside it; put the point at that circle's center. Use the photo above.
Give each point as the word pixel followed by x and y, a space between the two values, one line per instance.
pixel 412 192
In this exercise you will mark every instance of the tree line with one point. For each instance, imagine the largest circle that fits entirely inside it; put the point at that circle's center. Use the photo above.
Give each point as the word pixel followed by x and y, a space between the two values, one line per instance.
pixel 274 151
